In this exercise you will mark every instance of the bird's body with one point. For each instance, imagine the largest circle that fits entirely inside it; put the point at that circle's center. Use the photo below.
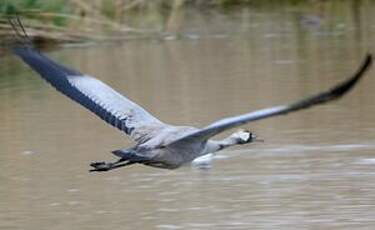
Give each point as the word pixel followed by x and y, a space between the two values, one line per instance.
pixel 159 151
pixel 159 144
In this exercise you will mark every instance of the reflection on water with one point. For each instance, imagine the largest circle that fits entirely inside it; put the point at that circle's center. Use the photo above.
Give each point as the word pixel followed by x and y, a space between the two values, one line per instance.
pixel 315 170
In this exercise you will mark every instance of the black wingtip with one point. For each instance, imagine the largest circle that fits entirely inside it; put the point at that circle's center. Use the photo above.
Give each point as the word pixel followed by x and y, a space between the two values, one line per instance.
pixel 367 63
pixel 347 85
pixel 20 50
pixel 337 91
pixel 22 39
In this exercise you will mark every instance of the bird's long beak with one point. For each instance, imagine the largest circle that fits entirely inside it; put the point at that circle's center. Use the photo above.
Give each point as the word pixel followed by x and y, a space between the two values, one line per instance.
pixel 255 138
pixel 258 140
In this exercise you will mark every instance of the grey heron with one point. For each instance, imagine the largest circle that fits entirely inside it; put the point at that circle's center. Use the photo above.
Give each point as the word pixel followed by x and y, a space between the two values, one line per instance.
pixel 159 144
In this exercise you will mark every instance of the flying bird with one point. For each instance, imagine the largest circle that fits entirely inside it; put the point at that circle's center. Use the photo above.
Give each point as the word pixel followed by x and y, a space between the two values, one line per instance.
pixel 159 144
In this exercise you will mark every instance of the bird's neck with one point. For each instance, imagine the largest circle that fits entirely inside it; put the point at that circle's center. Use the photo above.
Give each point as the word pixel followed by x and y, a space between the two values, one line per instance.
pixel 217 145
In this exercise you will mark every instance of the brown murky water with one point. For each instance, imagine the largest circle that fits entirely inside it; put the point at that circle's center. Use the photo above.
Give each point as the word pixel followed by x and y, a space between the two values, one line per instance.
pixel 316 169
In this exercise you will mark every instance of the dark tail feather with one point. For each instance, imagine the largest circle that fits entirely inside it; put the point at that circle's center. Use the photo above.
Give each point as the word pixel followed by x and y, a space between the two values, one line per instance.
pixel 129 155
pixel 120 153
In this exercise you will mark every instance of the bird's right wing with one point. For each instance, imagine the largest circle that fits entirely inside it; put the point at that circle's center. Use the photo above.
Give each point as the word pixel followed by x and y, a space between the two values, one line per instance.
pixel 323 97
pixel 93 94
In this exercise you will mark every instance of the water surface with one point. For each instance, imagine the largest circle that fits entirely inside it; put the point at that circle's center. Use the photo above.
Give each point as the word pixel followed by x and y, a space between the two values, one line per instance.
pixel 315 170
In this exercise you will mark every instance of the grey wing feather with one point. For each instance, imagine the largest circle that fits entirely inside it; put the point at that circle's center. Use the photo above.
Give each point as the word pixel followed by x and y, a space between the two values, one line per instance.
pixel 323 97
pixel 93 94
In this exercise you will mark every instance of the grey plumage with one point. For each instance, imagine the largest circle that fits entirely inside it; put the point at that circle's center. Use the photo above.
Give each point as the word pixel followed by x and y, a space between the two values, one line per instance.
pixel 320 98
pixel 93 94
pixel 159 144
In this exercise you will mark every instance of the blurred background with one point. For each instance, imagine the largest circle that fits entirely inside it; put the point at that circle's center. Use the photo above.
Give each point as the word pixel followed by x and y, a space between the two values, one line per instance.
pixel 191 62
pixel 103 20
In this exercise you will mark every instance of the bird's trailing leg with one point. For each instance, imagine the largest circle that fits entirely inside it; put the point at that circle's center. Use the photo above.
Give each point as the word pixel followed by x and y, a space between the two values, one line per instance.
pixel 106 166
pixel 127 157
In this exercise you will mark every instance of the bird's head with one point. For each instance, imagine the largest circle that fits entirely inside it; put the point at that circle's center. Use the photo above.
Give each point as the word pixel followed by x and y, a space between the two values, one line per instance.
pixel 244 137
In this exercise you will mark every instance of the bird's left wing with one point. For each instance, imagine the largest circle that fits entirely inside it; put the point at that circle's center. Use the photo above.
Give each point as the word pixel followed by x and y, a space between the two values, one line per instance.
pixel 323 97
pixel 93 94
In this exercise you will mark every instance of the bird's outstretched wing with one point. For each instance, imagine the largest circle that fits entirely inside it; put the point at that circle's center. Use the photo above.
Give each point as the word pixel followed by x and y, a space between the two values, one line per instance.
pixel 323 97
pixel 93 94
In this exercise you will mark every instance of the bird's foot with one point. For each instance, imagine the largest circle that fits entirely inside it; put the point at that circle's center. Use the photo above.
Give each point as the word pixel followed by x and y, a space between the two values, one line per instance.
pixel 101 166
